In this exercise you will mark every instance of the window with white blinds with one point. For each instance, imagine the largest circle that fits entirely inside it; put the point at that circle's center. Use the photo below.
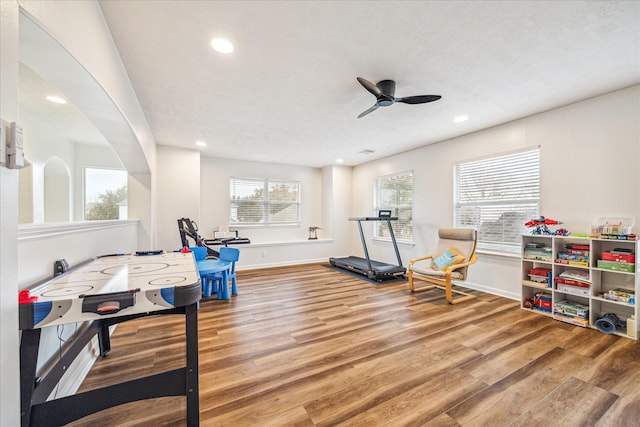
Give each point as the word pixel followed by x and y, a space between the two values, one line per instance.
pixel 497 196
pixel 395 193
pixel 264 202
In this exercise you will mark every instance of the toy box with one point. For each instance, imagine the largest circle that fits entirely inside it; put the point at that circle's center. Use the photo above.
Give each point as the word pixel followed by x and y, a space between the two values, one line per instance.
pixel 620 294
pixel 571 309
pixel 573 320
pixel 543 302
pixel 572 282
pixel 540 275
pixel 619 257
pixel 574 290
pixel 572 263
pixel 541 254
pixel 616 266
pixel 616 228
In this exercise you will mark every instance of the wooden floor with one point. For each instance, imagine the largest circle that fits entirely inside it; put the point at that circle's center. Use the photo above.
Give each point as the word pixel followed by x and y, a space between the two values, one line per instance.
pixel 309 346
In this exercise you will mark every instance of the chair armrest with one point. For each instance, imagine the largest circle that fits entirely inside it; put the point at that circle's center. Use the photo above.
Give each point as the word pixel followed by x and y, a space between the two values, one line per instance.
pixel 413 261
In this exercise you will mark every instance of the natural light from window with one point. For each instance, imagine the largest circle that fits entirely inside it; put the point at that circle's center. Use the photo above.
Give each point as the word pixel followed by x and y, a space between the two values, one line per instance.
pixel 105 194
pixel 264 202
pixel 395 193
pixel 497 196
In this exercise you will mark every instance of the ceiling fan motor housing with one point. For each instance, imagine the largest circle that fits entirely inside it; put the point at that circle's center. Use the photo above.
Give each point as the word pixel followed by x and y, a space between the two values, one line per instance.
pixel 388 89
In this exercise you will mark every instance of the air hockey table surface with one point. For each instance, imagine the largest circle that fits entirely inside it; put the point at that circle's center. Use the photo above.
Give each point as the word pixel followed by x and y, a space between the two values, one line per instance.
pixel 113 285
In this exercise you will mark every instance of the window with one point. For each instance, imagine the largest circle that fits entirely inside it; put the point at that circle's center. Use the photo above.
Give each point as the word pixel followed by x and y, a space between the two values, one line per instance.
pixel 264 202
pixel 497 196
pixel 105 194
pixel 395 192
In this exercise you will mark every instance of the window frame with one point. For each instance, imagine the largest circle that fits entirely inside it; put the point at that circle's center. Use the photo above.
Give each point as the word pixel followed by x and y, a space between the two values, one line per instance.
pixel 380 226
pixel 265 202
pixel 523 186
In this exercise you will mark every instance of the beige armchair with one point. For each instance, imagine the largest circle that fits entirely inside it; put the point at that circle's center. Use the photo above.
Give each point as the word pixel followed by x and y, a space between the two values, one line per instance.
pixel 463 241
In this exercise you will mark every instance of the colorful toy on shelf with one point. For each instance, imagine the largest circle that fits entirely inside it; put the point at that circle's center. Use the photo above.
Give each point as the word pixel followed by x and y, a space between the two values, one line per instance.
pixel 543 302
pixel 528 303
pixel 541 221
pixel 615 228
pixel 540 226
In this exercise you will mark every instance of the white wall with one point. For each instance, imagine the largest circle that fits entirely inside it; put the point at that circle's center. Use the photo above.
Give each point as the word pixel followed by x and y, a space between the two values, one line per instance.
pixel 589 168
pixel 215 197
pixel 337 207
pixel 179 193
pixel 325 202
pixel 9 366
pixel 325 195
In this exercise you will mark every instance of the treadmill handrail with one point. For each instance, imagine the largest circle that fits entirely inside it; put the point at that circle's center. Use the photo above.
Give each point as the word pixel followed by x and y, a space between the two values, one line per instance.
pixel 391 233
pixel 374 218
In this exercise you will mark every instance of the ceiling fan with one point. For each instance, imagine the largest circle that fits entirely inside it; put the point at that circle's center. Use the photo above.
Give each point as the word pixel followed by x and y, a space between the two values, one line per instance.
pixel 384 92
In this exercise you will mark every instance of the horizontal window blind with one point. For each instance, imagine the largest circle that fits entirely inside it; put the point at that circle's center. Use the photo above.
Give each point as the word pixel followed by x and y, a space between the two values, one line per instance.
pixel 497 196
pixel 263 201
pixel 395 193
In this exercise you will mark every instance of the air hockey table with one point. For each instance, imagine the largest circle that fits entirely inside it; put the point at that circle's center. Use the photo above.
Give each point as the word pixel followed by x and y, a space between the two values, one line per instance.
pixel 102 292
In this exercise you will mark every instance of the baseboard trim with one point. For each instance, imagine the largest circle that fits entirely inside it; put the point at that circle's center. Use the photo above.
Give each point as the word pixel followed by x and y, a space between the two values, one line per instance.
pixel 490 290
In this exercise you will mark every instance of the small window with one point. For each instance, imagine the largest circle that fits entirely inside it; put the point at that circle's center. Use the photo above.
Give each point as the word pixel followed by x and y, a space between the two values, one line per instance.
pixel 264 202
pixel 105 194
pixel 497 196
pixel 395 193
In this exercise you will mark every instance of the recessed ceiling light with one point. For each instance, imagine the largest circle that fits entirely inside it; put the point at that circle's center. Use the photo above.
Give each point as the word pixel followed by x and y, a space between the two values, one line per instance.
pixel 222 45
pixel 201 143
pixel 461 119
pixel 339 160
pixel 56 99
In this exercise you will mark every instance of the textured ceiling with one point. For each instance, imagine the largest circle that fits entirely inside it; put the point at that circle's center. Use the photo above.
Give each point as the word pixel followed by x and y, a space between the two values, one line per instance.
pixel 288 94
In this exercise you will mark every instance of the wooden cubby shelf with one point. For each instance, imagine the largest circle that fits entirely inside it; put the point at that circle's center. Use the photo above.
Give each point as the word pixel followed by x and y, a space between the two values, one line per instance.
pixel 580 255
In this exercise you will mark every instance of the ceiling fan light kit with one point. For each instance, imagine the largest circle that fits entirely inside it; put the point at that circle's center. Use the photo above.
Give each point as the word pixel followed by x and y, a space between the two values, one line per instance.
pixel 385 91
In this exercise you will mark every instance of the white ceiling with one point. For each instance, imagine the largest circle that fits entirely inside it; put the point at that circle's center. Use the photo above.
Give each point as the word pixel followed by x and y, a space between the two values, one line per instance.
pixel 288 93
pixel 66 120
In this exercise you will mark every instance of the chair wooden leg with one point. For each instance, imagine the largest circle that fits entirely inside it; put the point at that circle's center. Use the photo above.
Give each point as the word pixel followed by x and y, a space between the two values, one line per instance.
pixel 449 294
pixel 446 287
pixel 412 284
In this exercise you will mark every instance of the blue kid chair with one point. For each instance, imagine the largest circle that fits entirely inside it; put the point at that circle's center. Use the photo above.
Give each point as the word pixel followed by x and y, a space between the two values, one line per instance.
pixel 230 256
pixel 200 254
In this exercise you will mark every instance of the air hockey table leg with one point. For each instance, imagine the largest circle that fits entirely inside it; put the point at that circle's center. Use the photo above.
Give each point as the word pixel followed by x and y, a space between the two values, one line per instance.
pixel 104 340
pixel 191 371
pixel 29 346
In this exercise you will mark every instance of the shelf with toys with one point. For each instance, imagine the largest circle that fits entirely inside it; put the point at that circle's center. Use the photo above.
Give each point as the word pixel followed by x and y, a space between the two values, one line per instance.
pixel 589 281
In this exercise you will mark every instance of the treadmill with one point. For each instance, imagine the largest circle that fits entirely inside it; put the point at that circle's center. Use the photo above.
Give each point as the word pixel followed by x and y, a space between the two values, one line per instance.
pixel 374 270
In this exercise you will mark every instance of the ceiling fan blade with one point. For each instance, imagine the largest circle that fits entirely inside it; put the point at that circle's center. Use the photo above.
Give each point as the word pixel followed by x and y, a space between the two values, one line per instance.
pixel 419 99
pixel 370 86
pixel 372 109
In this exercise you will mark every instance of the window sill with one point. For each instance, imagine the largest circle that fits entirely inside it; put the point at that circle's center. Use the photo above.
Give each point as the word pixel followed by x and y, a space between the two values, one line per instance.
pixel 497 254
pixel 38 231
pixel 399 242
pixel 285 243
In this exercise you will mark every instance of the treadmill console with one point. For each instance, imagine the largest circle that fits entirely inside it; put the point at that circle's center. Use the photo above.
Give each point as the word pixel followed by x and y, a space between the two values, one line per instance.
pixel 384 213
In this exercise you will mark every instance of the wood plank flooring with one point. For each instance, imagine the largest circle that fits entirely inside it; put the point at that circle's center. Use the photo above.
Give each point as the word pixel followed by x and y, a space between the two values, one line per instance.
pixel 310 346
